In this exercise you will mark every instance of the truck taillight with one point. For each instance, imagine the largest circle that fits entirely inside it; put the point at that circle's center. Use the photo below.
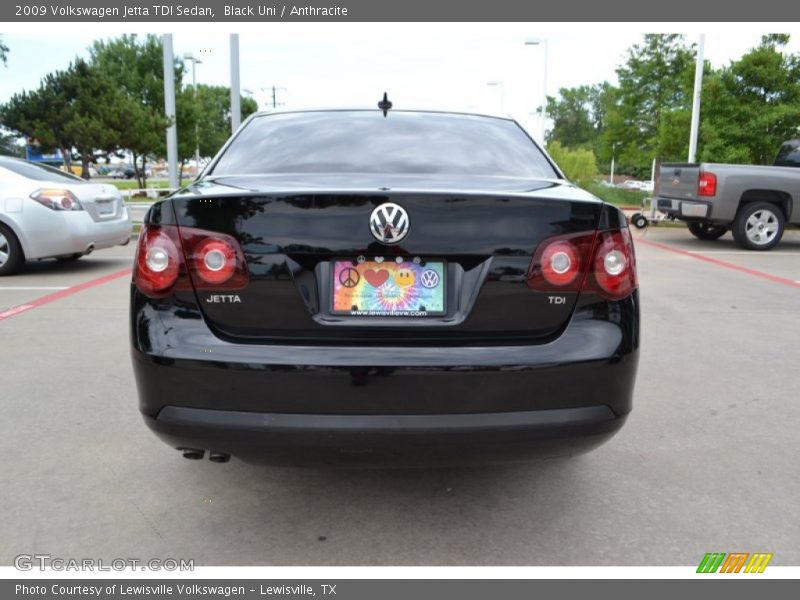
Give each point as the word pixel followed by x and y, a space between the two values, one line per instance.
pixel 602 263
pixel 169 259
pixel 707 184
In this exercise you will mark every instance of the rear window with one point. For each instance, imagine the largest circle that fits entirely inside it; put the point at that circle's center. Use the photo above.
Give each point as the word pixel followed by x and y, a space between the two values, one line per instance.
pixel 368 142
pixel 37 172
pixel 789 155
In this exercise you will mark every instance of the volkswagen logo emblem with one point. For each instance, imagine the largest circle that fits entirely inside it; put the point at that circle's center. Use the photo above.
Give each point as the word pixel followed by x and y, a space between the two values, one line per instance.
pixel 389 223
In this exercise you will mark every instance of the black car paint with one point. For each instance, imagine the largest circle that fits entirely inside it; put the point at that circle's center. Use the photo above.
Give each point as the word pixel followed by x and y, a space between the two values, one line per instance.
pixel 505 375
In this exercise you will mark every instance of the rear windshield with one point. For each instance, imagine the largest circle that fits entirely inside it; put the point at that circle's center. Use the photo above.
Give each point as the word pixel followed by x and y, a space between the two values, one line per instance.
pixel 37 171
pixel 789 155
pixel 368 142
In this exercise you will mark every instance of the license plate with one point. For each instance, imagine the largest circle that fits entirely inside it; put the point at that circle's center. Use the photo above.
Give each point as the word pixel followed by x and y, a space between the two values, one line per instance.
pixel 104 207
pixel 388 288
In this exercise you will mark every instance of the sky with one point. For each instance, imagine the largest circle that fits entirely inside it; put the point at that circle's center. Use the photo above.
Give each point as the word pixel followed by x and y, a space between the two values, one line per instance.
pixel 420 65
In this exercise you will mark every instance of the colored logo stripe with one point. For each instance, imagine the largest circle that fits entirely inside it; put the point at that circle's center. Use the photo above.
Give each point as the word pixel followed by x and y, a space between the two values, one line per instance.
pixel 758 562
pixel 711 562
pixel 734 563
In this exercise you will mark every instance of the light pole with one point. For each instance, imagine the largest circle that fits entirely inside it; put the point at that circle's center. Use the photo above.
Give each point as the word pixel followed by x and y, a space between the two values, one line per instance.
pixel 236 95
pixel 169 109
pixel 543 43
pixel 502 86
pixel 613 156
pixel 195 61
pixel 698 87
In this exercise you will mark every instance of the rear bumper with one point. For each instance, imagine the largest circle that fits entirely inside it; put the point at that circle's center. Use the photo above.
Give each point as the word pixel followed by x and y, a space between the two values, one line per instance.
pixel 686 210
pixel 50 233
pixel 374 405
pixel 380 440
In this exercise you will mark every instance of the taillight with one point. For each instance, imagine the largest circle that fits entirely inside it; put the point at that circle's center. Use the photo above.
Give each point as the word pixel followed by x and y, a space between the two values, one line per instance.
pixel 707 184
pixel 216 260
pixel 158 260
pixel 613 266
pixel 57 199
pixel 170 259
pixel 602 263
pixel 559 264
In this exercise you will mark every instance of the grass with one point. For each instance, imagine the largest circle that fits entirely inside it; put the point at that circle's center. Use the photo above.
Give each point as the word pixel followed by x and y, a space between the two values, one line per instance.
pixel 617 196
pixel 132 184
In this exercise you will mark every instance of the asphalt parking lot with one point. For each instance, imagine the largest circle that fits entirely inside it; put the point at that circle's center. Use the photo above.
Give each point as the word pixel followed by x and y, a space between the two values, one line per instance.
pixel 708 461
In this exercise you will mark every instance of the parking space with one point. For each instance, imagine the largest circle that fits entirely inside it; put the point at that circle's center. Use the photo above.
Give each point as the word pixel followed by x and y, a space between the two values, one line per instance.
pixel 707 461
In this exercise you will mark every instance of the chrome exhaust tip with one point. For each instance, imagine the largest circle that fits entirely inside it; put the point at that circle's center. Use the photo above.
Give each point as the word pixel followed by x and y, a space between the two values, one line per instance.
pixel 219 457
pixel 192 453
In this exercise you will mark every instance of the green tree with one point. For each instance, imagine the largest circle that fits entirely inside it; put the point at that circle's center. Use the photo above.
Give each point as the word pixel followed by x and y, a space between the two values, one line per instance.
pixel 752 105
pixel 135 65
pixel 95 112
pixel 654 83
pixel 578 164
pixel 9 146
pixel 78 111
pixel 206 111
pixel 186 113
pixel 43 115
pixel 579 115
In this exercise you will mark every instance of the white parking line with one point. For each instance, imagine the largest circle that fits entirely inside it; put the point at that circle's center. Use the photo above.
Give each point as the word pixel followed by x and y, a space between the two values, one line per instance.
pixel 32 287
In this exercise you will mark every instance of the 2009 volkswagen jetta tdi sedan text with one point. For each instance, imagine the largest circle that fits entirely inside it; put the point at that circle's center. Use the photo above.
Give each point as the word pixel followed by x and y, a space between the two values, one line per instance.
pixel 383 287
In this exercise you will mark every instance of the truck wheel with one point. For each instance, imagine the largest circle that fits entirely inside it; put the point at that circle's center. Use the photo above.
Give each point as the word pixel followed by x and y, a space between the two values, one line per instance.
pixel 639 221
pixel 758 226
pixel 707 231
pixel 11 257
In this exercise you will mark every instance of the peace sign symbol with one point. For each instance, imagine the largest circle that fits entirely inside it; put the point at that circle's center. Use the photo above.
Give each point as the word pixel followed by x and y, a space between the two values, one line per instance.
pixel 349 277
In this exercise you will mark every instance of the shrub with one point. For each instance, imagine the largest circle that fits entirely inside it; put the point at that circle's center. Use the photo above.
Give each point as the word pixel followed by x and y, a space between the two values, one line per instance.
pixel 578 164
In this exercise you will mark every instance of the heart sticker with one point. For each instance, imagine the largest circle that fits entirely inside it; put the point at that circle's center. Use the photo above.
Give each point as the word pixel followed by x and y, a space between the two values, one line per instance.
pixel 376 278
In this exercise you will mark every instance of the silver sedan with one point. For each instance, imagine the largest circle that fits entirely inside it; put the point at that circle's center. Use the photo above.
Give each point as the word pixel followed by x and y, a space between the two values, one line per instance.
pixel 46 213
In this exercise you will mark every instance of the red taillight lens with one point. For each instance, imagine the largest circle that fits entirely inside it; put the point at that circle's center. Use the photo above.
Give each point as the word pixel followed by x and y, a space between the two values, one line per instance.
pixel 613 265
pixel 603 263
pixel 707 184
pixel 57 199
pixel 158 260
pixel 166 254
pixel 559 264
pixel 215 260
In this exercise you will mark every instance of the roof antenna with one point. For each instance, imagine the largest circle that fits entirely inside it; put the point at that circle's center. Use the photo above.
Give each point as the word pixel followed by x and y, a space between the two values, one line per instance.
pixel 385 104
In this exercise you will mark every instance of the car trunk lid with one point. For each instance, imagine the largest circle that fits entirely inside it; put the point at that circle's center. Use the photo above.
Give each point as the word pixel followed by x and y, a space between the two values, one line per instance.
pixel 102 202
pixel 481 233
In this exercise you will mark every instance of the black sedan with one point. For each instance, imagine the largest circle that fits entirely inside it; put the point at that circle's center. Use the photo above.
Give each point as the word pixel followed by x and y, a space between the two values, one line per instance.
pixel 380 287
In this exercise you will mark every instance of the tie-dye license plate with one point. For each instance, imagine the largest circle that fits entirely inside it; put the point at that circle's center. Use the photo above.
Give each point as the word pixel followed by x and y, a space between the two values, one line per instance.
pixel 388 288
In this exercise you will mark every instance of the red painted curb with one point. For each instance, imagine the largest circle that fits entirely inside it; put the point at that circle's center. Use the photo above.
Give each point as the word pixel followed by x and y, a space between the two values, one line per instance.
pixel 21 308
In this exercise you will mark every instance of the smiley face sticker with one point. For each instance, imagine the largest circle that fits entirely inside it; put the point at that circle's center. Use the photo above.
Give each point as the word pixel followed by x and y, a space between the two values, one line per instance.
pixel 404 277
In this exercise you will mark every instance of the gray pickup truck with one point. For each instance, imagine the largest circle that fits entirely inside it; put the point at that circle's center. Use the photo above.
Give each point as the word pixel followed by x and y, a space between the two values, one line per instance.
pixel 754 202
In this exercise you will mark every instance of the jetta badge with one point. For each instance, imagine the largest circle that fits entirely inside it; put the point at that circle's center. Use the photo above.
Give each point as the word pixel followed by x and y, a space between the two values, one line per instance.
pixel 389 223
